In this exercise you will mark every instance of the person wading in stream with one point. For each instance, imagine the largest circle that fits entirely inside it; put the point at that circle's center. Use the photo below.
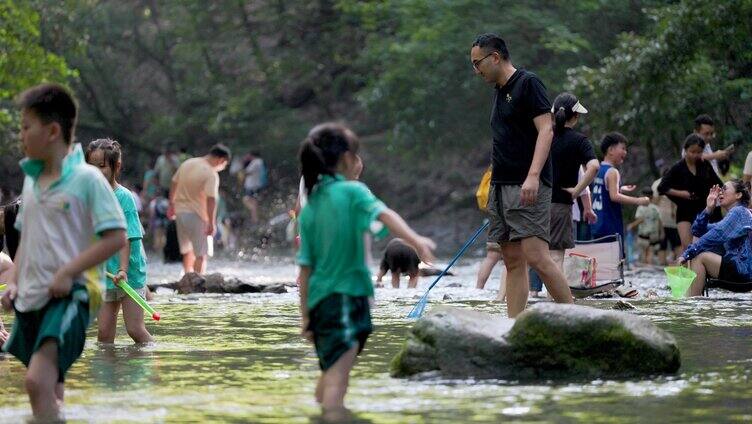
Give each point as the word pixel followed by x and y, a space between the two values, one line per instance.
pixel 335 282
pixel 193 206
pixel 520 196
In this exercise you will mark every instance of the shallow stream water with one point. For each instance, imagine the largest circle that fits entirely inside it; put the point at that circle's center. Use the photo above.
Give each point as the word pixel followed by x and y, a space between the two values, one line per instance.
pixel 239 358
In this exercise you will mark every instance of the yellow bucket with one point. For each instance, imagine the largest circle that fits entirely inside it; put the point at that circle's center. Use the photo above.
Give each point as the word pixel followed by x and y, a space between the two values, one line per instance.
pixel 679 280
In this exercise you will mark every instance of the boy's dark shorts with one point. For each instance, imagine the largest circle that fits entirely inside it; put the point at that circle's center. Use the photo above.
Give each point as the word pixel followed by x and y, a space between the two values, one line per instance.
pixel 338 323
pixel 64 320
pixel 510 221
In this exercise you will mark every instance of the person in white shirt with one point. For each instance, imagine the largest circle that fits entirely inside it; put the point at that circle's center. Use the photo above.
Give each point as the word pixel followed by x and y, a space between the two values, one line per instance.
pixel 255 175
pixel 747 177
pixel 705 128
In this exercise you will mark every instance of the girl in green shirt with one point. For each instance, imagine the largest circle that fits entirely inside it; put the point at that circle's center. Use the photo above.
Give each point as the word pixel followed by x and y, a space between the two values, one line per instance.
pixel 335 282
pixel 129 265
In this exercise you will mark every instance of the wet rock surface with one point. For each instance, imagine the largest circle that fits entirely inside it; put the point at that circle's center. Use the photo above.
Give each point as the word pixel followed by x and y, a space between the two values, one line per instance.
pixel 217 283
pixel 548 341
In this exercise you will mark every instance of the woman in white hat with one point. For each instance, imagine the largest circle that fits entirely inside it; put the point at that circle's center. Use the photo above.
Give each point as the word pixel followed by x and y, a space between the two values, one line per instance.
pixel 570 150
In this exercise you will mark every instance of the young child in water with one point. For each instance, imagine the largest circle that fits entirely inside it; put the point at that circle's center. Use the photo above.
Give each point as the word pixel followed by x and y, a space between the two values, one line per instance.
pixel 70 222
pixel 335 282
pixel 129 265
pixel 400 258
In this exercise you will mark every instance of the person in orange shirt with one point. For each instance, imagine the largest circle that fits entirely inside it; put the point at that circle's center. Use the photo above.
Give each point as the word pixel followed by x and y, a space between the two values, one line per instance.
pixel 193 205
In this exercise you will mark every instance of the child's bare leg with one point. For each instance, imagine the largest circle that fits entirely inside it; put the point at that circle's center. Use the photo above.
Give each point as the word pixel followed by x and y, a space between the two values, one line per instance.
pixel 60 394
pixel 502 295
pixel 41 381
pixel 149 295
pixel 662 257
pixel 492 257
pixel 413 283
pixel 107 322
pixel 396 278
pixel 320 389
pixel 134 322
pixel 336 380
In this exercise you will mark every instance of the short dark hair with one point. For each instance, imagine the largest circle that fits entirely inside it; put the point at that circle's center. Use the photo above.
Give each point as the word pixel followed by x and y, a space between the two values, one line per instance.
pixel 703 119
pixel 51 103
pixel 221 151
pixel 491 42
pixel 612 139
pixel 694 140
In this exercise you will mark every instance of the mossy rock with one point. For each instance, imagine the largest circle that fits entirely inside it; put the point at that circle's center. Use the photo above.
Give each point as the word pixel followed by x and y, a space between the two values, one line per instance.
pixel 569 341
pixel 548 341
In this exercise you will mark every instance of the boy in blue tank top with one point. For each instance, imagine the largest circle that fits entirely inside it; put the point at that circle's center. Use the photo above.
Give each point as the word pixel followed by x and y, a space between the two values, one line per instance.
pixel 607 197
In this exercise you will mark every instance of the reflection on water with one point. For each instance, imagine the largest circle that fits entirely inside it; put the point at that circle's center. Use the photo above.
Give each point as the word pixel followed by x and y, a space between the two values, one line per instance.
pixel 221 358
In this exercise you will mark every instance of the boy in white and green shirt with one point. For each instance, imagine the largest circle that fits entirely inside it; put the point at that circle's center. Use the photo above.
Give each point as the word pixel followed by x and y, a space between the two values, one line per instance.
pixel 70 224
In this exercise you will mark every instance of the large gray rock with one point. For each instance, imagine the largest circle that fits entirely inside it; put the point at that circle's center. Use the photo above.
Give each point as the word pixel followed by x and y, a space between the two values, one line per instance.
pixel 548 341
pixel 216 283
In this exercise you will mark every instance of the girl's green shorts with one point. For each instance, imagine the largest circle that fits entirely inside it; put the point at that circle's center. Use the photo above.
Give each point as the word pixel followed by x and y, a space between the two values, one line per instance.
pixel 63 320
pixel 338 323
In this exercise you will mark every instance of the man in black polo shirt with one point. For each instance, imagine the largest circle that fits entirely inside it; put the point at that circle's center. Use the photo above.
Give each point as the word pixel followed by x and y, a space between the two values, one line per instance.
pixel 520 197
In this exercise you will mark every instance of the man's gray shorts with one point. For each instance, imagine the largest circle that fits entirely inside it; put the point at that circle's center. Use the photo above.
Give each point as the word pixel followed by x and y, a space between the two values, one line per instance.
pixel 562 236
pixel 192 234
pixel 510 221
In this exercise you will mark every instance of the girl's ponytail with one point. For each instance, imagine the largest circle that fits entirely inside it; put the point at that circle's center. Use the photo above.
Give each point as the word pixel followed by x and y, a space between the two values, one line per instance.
pixel 560 118
pixel 322 149
pixel 311 164
pixel 564 110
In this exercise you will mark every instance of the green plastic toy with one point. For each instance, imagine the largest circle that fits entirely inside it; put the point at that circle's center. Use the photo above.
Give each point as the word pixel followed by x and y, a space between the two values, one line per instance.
pixel 136 298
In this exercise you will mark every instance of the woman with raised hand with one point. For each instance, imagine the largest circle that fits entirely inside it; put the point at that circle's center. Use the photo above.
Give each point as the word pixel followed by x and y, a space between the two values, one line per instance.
pixel 732 235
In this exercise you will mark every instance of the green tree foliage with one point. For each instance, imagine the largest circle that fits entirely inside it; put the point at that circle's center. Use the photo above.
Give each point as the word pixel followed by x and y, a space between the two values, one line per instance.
pixel 697 58
pixel 259 73
pixel 23 63
pixel 192 73
pixel 421 84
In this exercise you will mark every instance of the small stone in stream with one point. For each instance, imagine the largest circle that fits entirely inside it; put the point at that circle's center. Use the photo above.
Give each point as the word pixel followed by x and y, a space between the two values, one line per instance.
pixel 191 283
pixel 621 305
pixel 274 288
pixel 447 297
pixel 214 283
pixel 454 285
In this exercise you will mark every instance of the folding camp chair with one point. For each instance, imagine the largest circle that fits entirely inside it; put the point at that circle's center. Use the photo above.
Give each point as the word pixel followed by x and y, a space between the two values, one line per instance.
pixel 608 255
